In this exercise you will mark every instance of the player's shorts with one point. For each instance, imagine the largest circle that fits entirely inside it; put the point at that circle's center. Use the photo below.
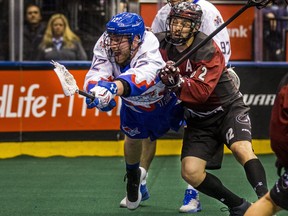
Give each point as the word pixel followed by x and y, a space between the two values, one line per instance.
pixel 204 136
pixel 279 192
pixel 153 124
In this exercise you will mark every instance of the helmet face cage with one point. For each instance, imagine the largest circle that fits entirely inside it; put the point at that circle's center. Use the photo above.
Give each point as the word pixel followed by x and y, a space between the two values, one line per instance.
pixel 188 12
pixel 170 35
pixel 107 44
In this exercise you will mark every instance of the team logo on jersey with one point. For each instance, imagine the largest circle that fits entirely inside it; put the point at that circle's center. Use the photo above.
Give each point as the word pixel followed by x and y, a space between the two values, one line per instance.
pixel 243 119
pixel 149 97
pixel 171 80
pixel 113 88
pixel 217 21
pixel 131 132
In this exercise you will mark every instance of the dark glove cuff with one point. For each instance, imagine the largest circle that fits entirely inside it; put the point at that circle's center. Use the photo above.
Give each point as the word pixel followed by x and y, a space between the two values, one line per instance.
pixel 126 87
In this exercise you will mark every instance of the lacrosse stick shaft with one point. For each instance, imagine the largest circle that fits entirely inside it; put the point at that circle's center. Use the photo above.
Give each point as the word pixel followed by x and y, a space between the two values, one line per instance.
pixel 198 46
pixel 86 94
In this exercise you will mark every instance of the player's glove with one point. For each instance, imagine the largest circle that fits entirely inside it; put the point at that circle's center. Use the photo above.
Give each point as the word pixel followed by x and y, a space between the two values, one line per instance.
pixel 95 103
pixel 170 76
pixel 104 93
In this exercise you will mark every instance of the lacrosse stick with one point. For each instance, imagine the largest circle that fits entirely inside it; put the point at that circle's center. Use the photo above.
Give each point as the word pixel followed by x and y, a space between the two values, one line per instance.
pixel 251 3
pixel 68 82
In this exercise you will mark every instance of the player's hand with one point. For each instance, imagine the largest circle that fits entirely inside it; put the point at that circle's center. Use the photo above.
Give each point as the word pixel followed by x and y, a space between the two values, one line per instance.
pixel 104 93
pixel 95 103
pixel 170 75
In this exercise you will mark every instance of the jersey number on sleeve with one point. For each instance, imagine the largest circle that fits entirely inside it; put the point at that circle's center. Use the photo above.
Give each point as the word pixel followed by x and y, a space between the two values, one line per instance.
pixel 202 75
pixel 225 47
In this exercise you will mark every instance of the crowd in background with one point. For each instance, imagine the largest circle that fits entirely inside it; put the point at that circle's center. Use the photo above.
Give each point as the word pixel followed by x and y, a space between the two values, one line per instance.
pixel 275 17
pixel 86 20
pixel 54 40
pixel 89 26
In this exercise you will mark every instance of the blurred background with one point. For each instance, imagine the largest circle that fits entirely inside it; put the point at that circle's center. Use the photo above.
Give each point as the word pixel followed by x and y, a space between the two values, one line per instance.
pixel 251 33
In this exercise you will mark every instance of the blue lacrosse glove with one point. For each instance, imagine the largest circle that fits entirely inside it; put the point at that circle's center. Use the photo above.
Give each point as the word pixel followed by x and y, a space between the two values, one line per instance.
pixel 95 103
pixel 104 93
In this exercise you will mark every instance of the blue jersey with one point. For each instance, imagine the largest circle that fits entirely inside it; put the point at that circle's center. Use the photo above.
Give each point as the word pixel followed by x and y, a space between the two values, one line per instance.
pixel 149 105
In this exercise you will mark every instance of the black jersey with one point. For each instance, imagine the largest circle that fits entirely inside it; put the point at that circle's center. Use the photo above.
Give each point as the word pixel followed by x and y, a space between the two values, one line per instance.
pixel 207 83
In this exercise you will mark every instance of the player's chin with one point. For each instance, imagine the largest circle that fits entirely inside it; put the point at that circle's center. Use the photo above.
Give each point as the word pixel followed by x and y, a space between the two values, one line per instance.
pixel 120 59
pixel 176 36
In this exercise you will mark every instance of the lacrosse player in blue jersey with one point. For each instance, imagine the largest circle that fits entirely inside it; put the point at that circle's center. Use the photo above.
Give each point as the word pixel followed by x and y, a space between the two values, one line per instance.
pixel 126 62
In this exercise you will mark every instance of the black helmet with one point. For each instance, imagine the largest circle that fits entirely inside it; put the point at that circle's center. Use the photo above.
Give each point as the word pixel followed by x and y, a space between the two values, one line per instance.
pixel 188 11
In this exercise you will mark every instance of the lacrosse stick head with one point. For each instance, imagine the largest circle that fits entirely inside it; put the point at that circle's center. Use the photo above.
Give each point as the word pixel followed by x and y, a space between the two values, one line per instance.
pixel 67 80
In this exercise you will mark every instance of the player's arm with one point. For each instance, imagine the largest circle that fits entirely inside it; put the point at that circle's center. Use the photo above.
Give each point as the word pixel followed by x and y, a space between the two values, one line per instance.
pixel 98 80
pixel 100 69
pixel 197 87
pixel 145 71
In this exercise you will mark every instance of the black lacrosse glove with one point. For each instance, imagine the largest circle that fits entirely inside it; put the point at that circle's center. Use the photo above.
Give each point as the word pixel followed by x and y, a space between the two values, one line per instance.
pixel 170 76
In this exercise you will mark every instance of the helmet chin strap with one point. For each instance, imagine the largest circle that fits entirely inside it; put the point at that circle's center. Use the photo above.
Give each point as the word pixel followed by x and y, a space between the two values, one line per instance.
pixel 190 41
pixel 184 46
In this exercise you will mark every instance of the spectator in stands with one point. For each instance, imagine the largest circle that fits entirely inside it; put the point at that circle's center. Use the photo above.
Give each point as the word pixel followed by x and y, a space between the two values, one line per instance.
pixel 60 42
pixel 34 30
pixel 4 26
pixel 123 7
pixel 273 26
